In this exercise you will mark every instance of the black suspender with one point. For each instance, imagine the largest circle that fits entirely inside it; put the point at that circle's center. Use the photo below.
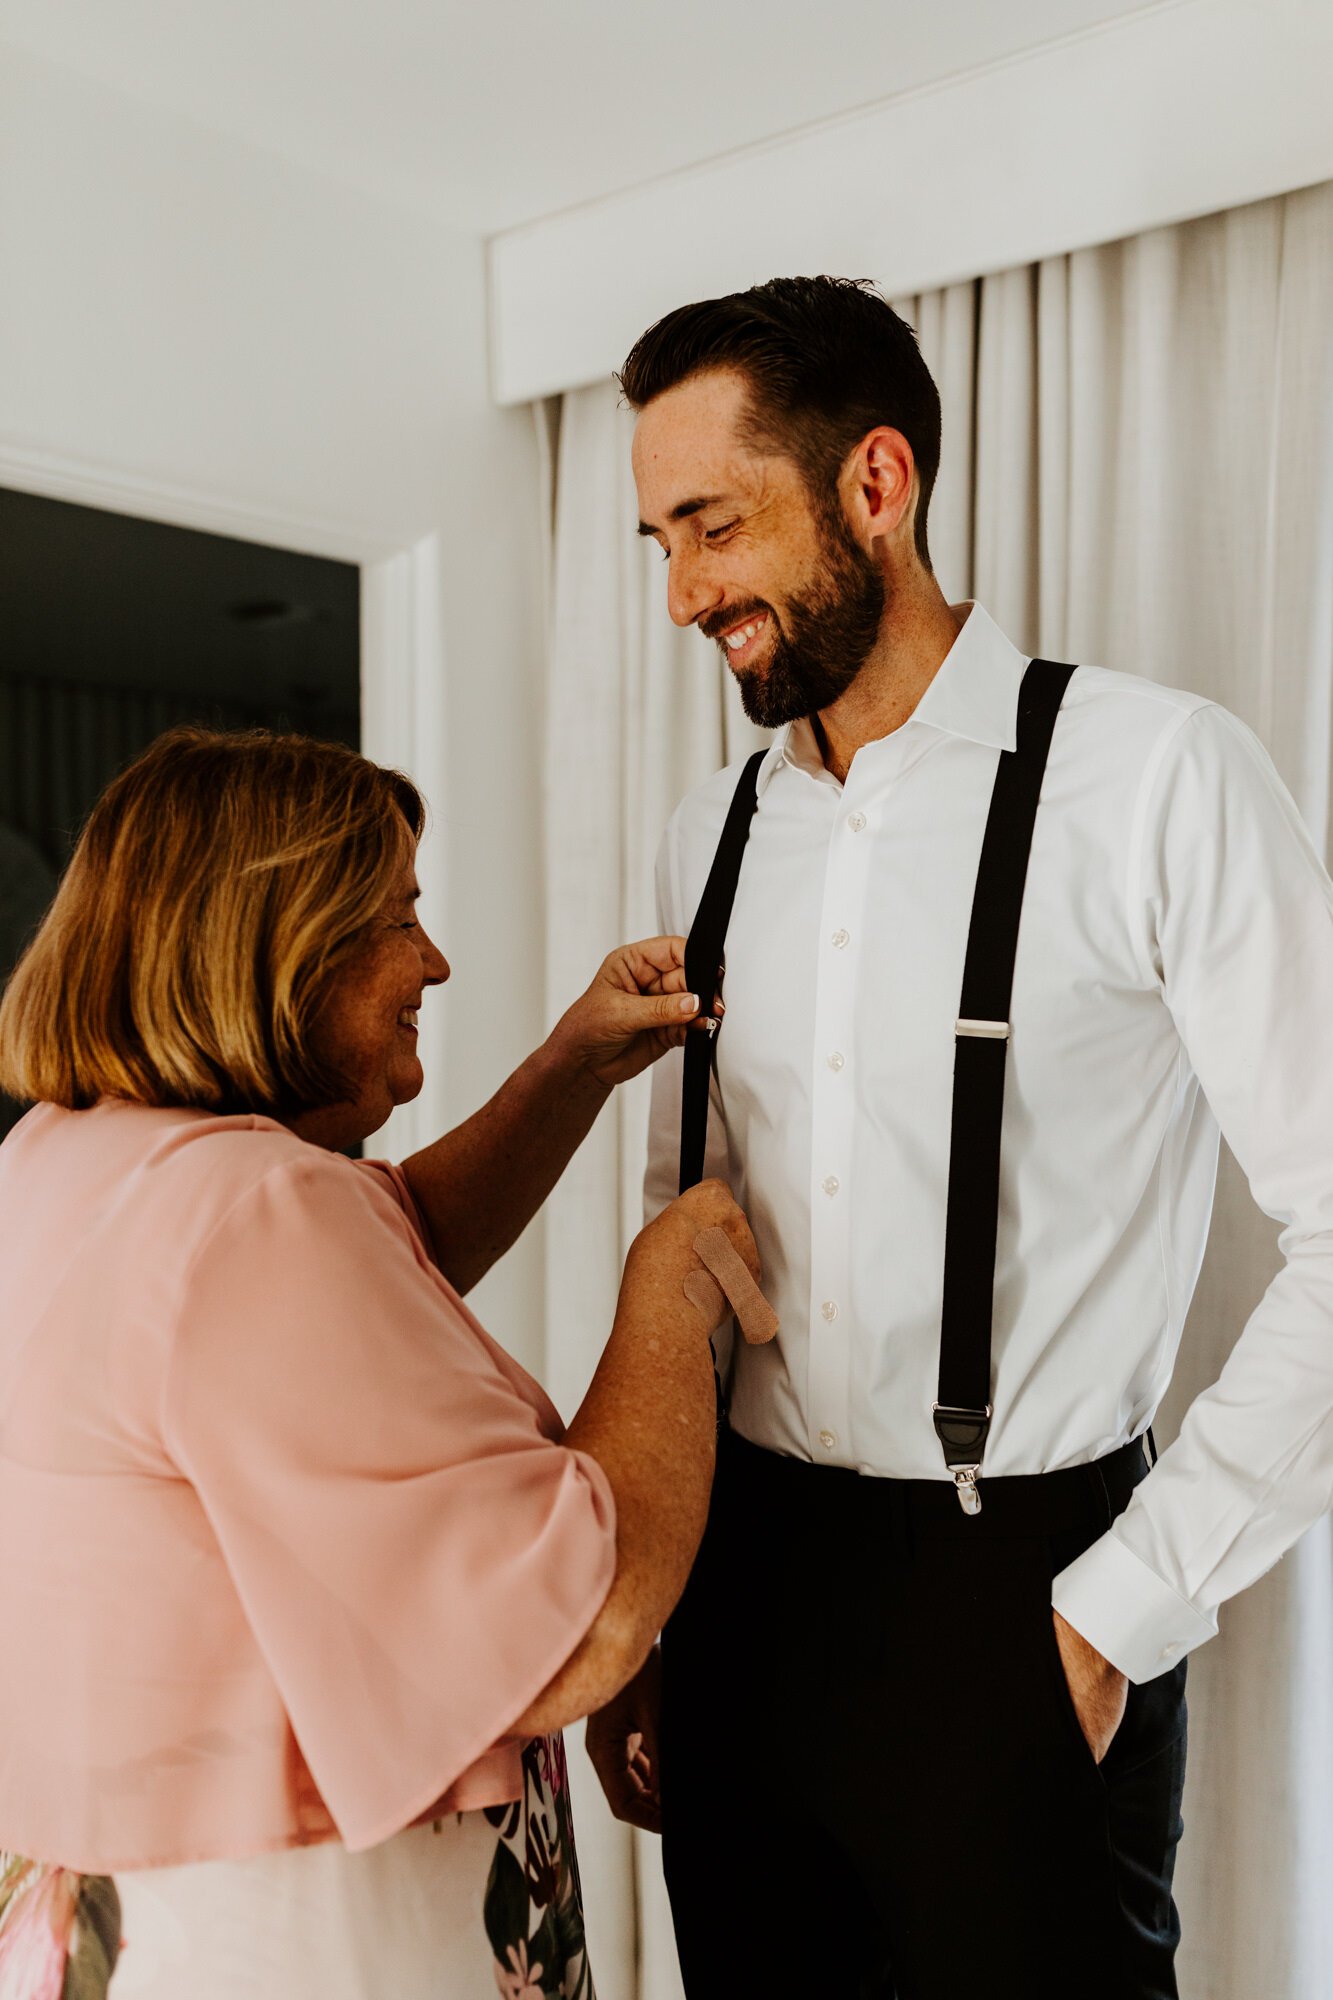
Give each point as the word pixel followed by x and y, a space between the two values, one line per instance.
pixel 703 969
pixel 962 1413
pixel 703 965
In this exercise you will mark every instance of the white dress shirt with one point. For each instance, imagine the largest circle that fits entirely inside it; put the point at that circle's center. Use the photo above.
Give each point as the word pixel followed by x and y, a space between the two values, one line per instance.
pixel 1174 974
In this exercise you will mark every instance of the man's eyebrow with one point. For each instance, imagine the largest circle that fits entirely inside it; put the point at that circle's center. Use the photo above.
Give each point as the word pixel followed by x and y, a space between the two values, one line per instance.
pixel 683 511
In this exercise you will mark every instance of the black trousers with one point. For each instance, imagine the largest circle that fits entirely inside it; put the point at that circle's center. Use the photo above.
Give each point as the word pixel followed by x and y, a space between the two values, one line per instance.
pixel 874 1783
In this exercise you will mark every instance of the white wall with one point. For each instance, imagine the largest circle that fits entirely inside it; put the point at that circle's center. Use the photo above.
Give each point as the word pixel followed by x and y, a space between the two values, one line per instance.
pixel 197 331
pixel 1180 108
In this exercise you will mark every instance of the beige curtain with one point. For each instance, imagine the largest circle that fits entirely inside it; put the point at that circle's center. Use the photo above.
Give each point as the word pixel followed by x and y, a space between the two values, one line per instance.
pixel 1138 471
pixel 636 713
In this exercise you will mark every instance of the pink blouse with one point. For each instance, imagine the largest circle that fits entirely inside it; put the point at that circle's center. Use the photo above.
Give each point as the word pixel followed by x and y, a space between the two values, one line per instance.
pixel 289 1541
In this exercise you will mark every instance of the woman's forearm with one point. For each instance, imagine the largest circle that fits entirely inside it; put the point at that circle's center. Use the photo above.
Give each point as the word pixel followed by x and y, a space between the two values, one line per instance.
pixel 649 1419
pixel 481 1184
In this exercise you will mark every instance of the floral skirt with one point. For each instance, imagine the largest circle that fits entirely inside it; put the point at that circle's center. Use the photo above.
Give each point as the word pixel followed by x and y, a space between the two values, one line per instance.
pixel 449 1910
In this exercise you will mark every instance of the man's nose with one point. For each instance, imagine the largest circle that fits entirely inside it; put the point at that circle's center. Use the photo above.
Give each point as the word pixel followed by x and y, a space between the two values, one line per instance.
pixel 690 591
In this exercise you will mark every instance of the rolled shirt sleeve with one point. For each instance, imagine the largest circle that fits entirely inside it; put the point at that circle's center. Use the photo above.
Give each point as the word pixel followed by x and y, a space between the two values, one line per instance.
pixel 1234 916
pixel 416 1553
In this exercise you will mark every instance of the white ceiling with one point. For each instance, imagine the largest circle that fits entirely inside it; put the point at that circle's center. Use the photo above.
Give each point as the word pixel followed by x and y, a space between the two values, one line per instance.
pixel 491 115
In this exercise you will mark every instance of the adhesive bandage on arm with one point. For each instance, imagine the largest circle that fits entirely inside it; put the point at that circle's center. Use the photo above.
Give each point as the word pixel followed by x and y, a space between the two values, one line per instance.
pixel 725 1279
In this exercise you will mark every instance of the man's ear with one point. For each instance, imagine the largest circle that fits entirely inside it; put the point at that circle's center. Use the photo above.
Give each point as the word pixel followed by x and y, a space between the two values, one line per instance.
pixel 882 482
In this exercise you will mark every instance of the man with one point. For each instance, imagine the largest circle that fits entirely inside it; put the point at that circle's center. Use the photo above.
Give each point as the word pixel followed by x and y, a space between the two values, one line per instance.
pixel 923 1724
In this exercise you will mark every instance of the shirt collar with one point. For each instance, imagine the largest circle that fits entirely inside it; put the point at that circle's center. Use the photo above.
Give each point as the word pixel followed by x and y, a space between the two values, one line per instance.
pixel 974 695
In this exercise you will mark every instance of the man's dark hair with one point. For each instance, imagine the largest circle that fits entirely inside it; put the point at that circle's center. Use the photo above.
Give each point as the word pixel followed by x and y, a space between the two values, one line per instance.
pixel 827 359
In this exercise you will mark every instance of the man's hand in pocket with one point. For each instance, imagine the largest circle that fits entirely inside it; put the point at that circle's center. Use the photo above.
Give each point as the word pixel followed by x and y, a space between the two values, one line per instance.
pixel 1098 1690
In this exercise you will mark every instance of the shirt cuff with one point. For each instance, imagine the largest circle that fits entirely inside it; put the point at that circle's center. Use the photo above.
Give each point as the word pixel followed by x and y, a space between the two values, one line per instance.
pixel 1124 1609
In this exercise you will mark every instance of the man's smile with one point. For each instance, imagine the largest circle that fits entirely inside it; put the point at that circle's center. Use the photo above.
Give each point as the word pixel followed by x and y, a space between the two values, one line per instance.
pixel 741 641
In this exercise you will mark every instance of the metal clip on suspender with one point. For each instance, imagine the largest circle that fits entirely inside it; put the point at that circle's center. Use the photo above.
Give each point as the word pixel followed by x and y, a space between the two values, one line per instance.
pixel 962 1412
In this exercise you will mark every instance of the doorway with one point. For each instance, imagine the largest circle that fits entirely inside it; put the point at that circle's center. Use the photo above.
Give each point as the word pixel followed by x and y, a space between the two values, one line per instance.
pixel 113 629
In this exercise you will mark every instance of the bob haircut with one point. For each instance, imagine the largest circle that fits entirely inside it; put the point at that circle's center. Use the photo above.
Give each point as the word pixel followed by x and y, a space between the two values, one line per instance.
pixel 219 881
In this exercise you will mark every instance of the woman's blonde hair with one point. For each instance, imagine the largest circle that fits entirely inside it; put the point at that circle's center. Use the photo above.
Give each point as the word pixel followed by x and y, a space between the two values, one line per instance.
pixel 219 881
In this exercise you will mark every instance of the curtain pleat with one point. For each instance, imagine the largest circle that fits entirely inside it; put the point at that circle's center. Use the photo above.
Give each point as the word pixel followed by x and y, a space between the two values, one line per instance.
pixel 1137 471
pixel 637 715
pixel 63 740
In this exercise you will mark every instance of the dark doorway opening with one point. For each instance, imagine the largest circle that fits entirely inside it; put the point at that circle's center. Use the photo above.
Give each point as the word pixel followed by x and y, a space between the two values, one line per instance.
pixel 113 629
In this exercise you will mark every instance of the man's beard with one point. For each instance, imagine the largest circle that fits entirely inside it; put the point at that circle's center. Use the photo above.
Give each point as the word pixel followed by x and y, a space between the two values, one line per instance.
pixel 828 637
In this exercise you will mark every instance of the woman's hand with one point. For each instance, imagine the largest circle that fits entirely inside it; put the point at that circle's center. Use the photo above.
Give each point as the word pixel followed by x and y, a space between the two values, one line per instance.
pixel 662 1255
pixel 635 1010
pixel 622 1742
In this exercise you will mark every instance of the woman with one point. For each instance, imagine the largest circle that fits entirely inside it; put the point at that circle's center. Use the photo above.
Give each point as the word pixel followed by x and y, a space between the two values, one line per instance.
pixel 303 1576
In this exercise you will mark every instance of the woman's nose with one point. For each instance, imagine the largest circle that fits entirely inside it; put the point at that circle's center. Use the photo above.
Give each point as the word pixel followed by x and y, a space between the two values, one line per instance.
pixel 434 964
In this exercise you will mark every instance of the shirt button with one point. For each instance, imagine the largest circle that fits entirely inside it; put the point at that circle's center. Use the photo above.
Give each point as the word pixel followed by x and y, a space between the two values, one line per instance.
pixel 828 1439
pixel 829 1309
pixel 856 821
pixel 840 938
pixel 831 1184
pixel 836 1060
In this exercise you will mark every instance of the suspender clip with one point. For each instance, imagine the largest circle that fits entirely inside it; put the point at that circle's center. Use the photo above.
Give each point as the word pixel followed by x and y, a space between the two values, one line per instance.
pixel 962 1432
pixel 984 1031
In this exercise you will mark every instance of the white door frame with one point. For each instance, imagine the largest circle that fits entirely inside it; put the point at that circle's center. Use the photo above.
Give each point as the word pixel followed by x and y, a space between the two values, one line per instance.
pixel 402 647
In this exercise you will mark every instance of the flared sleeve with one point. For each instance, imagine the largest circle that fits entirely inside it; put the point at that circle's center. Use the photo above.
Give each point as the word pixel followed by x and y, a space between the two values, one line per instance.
pixel 416 1553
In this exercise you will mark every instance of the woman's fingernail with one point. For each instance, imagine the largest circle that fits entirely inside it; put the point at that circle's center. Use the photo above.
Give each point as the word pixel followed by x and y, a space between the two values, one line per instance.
pixel 689 1003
